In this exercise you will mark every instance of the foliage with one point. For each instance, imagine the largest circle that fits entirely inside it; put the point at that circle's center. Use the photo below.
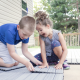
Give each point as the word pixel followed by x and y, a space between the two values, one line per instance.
pixel 36 34
pixel 63 13
pixel 36 6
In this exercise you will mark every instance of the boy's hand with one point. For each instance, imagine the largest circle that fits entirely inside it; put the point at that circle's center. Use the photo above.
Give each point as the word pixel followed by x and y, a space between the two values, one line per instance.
pixel 29 66
pixel 38 62
pixel 44 65
pixel 58 66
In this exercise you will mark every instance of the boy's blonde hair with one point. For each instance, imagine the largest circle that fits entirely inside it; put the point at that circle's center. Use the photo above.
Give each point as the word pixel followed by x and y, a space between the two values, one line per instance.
pixel 28 22
pixel 42 18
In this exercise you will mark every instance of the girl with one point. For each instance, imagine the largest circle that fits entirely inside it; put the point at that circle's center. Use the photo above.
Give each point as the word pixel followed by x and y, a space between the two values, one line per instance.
pixel 52 43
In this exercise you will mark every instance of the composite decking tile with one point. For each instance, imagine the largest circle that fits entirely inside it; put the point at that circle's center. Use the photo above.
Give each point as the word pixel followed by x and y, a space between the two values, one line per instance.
pixel 12 68
pixel 32 76
pixel 59 71
pixel 73 56
pixel 37 68
pixel 49 77
pixel 41 76
pixel 58 77
pixel 51 69
pixel 24 74
pixel 44 69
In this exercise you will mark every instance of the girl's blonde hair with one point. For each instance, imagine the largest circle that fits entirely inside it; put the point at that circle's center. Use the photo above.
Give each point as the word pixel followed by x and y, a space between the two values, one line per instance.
pixel 42 18
pixel 28 22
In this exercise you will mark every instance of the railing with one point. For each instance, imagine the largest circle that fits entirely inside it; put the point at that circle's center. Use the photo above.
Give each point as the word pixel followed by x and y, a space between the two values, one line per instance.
pixel 36 41
pixel 71 39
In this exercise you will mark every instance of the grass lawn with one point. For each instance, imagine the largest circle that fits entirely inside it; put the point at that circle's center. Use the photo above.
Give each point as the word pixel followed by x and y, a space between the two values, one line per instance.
pixel 34 47
pixel 73 47
pixel 68 47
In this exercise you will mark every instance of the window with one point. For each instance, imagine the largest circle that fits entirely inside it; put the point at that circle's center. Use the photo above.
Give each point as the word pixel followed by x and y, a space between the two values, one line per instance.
pixel 24 5
pixel 24 8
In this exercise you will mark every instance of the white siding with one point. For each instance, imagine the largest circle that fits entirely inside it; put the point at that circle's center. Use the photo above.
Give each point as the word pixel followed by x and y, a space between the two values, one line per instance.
pixel 11 12
pixel 30 13
pixel 30 7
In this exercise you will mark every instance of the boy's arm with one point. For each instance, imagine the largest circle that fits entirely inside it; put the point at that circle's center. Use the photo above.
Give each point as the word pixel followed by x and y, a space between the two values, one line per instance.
pixel 15 56
pixel 43 53
pixel 27 54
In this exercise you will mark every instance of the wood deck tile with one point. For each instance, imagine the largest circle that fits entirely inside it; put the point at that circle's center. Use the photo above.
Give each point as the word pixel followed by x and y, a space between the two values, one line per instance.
pixel 73 56
pixel 24 74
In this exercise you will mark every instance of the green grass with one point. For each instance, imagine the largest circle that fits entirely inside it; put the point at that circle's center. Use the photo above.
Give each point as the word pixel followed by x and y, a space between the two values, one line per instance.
pixel 34 47
pixel 73 47
pixel 68 47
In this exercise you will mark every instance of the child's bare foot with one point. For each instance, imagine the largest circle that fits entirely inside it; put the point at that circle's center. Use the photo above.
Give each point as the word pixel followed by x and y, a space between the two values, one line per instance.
pixel 16 63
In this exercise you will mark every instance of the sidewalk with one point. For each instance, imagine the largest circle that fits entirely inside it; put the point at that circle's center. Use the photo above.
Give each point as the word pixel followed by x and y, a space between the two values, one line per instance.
pixel 72 74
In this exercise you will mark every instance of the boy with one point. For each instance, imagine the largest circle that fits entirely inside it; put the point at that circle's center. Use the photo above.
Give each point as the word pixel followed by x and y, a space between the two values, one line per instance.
pixel 12 34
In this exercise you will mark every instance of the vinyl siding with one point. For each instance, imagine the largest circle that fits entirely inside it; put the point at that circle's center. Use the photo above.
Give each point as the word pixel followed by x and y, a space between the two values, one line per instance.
pixel 30 13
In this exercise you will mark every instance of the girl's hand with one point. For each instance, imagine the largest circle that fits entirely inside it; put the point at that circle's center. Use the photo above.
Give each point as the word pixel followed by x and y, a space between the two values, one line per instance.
pixel 29 66
pixel 58 66
pixel 44 65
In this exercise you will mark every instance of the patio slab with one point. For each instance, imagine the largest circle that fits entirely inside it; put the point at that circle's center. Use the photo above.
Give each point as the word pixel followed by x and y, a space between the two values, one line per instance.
pixel 73 73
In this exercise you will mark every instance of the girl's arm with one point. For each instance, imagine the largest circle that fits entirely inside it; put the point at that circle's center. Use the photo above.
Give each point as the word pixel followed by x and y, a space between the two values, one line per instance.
pixel 64 48
pixel 43 53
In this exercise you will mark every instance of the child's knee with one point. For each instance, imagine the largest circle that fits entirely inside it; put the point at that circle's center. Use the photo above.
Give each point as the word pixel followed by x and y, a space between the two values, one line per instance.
pixel 16 63
pixel 55 43
pixel 9 65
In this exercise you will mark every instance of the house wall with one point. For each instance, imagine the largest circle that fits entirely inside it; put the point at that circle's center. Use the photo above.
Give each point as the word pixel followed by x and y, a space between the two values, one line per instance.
pixel 11 12
pixel 30 13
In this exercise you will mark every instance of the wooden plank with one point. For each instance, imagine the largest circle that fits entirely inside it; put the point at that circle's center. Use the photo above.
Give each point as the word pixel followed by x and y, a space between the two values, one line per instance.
pixel 37 68
pixel 71 34
pixel 68 58
pixel 44 69
pixel 6 75
pixel 13 76
pixel 32 76
pixel 51 69
pixel 58 77
pixel 24 74
pixel 73 57
pixel 22 70
pixel 12 68
pixel 41 76
pixel 1 72
pixel 77 53
pixel 59 71
pixel 49 77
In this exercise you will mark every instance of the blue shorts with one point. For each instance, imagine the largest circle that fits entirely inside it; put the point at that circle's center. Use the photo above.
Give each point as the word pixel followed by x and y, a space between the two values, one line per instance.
pixel 53 57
